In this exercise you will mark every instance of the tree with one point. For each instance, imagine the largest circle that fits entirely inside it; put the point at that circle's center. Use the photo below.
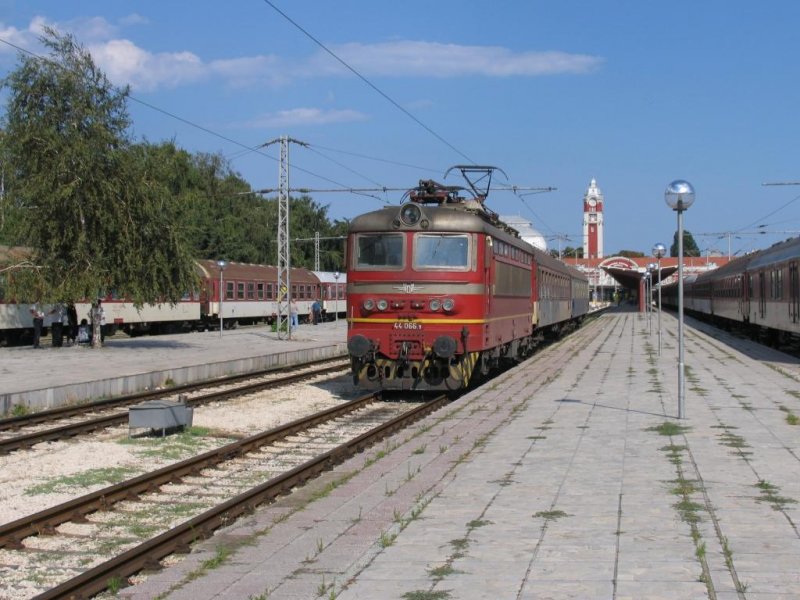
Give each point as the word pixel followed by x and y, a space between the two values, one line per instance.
pixel 96 210
pixel 630 253
pixel 689 245
pixel 568 252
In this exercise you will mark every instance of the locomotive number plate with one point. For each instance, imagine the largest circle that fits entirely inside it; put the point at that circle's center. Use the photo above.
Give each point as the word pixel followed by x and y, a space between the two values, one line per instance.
pixel 407 325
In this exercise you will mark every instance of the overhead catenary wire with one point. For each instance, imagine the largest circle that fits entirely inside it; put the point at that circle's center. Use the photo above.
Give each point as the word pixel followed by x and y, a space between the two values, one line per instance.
pixel 367 81
pixel 514 190
pixel 777 210
pixel 375 158
pixel 336 162
pixel 245 147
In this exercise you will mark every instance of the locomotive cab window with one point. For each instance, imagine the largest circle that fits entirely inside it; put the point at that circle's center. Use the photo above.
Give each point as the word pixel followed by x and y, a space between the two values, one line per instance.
pixel 441 251
pixel 379 251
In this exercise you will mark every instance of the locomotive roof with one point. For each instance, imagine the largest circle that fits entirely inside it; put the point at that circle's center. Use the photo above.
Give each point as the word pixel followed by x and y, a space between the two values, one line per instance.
pixel 454 218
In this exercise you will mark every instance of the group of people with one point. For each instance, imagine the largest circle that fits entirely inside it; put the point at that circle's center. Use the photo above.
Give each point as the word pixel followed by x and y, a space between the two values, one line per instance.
pixel 64 323
pixel 316 313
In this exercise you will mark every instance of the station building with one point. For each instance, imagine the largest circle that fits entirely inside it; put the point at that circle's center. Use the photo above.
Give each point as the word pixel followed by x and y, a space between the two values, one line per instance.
pixel 622 278
pixel 613 278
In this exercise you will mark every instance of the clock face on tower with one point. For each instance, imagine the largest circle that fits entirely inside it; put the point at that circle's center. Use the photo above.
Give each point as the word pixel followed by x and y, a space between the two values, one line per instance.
pixel 592 202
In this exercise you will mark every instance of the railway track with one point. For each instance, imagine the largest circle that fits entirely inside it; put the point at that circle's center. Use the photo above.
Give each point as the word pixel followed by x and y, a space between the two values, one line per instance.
pixel 19 433
pixel 65 547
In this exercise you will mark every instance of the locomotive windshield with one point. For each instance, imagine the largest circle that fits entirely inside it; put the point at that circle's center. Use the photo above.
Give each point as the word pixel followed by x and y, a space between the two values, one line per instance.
pixel 379 250
pixel 433 250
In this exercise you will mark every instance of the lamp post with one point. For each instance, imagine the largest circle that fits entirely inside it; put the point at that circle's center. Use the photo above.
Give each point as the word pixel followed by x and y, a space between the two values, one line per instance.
pixel 221 263
pixel 336 276
pixel 651 269
pixel 659 251
pixel 679 196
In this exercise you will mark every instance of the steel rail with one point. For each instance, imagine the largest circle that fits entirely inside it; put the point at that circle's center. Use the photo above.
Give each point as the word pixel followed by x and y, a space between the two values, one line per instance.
pixel 45 521
pixel 70 430
pixel 67 411
pixel 180 538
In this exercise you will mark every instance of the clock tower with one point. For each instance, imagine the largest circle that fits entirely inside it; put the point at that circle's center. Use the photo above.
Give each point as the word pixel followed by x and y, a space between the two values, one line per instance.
pixel 593 222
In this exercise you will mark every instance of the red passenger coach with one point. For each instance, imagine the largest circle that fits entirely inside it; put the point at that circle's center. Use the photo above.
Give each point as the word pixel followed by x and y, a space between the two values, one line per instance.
pixel 250 292
pixel 438 289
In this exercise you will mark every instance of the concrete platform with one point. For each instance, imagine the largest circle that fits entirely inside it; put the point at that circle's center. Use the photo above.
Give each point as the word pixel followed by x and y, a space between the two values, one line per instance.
pixel 567 477
pixel 49 377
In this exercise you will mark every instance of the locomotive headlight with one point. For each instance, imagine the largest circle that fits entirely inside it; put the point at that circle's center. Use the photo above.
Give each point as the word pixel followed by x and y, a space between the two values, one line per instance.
pixel 435 304
pixel 382 304
pixel 410 214
pixel 369 304
pixel 448 304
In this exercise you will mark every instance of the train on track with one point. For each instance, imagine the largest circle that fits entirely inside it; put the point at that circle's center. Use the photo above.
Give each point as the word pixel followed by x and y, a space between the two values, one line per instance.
pixel 441 292
pixel 249 296
pixel 759 292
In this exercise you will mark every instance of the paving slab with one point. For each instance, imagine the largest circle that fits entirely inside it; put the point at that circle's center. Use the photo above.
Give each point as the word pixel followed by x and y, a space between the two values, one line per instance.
pixel 568 476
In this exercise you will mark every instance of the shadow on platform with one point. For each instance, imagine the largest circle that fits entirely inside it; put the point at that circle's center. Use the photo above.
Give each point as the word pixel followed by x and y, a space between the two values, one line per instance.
pixel 619 408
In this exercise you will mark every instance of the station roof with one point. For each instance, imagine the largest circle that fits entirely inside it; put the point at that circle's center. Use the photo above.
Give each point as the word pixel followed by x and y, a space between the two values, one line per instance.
pixel 628 271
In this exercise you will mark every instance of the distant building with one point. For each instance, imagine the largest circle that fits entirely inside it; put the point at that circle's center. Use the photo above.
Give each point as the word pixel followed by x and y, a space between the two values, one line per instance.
pixel 593 222
pixel 526 231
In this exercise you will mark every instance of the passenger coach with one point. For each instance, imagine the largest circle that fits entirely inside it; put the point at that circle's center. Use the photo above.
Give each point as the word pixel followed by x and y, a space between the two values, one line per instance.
pixel 759 291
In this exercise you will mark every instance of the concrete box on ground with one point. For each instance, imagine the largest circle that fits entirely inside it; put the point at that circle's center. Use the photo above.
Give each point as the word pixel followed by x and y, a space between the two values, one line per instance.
pixel 160 414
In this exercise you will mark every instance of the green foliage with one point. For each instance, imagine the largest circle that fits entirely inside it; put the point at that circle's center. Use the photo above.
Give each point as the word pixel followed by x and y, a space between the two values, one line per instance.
pixel 568 252
pixel 98 212
pixel 690 247
pixel 92 207
pixel 225 219
pixel 630 253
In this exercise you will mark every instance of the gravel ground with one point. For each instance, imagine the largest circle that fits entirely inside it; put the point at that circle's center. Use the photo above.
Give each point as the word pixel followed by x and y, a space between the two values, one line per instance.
pixel 55 472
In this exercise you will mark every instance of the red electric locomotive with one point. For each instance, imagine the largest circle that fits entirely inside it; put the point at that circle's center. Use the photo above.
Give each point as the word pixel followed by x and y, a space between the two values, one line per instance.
pixel 439 289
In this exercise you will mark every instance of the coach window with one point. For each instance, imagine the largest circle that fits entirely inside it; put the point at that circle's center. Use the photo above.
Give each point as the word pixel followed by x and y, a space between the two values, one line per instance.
pixel 251 290
pixel 229 287
pixel 379 251
pixel 441 251
pixel 260 290
pixel 240 290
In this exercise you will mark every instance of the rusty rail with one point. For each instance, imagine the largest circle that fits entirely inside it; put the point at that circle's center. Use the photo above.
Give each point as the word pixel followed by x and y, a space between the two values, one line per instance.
pixel 28 440
pixel 180 538
pixel 45 521
pixel 61 412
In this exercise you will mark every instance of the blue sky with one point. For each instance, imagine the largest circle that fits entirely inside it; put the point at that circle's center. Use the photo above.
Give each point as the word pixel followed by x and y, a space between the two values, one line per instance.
pixel 632 93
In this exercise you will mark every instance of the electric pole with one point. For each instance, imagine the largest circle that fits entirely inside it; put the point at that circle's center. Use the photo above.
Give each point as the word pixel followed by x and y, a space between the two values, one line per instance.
pixel 284 291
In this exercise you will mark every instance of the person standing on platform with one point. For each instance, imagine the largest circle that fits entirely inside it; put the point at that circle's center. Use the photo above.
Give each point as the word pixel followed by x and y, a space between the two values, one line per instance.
pixel 316 311
pixel 57 325
pixel 71 323
pixel 83 335
pixel 293 314
pixel 98 317
pixel 38 321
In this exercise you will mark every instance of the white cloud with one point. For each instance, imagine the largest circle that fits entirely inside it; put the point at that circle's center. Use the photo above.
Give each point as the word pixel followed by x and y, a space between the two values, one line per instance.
pixel 432 59
pixel 304 116
pixel 126 63
pixel 133 19
pixel 13 36
pixel 251 70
